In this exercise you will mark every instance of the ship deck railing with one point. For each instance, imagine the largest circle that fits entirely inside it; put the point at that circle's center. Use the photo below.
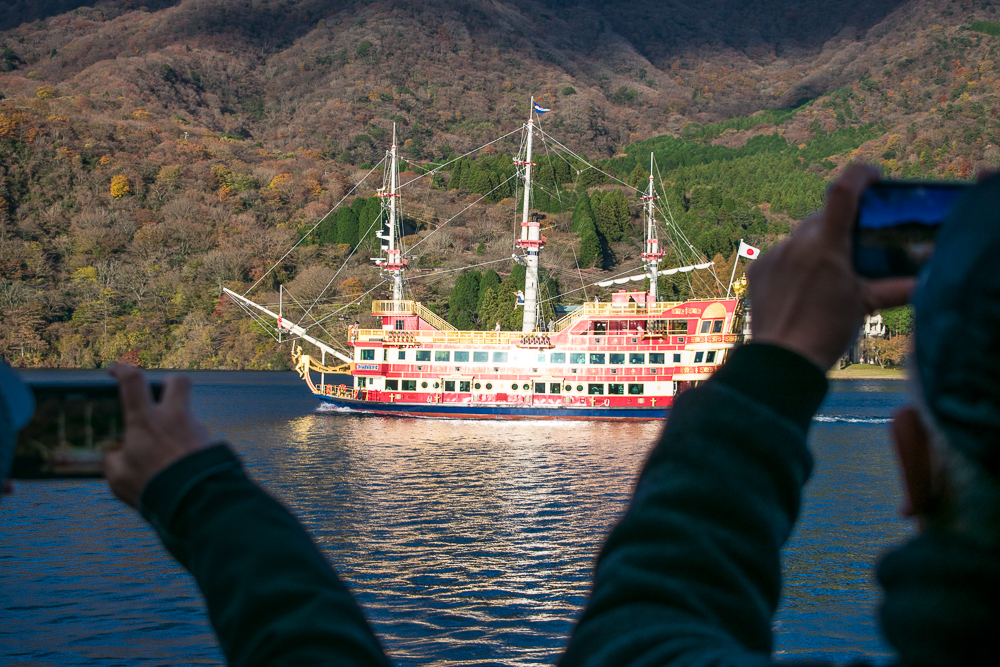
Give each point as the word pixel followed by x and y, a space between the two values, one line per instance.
pixel 630 310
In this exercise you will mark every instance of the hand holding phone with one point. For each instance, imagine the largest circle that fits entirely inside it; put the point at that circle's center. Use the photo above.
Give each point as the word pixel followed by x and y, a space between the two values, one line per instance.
pixel 157 433
pixel 74 425
pixel 897 223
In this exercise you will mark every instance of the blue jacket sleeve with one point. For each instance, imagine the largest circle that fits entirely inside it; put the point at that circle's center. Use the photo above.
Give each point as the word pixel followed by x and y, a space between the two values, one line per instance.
pixel 271 596
pixel 691 574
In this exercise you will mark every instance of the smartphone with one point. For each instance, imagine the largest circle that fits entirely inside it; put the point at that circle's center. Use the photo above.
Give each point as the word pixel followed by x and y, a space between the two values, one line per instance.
pixel 74 425
pixel 897 223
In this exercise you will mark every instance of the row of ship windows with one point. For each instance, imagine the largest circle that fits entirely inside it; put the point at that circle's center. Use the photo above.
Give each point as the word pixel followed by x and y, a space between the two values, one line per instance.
pixel 465 387
pixel 579 358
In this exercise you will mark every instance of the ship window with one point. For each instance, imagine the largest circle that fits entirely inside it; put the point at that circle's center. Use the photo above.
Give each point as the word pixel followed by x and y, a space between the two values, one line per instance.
pixel 480 357
pixel 409 385
pixel 540 387
pixel 402 355
pixel 637 358
pixel 579 387
pixel 479 386
pixel 440 355
pixel 657 358
pixel 489 385
pixel 616 358
pixel 717 327
pixel 392 385
pixel 705 326
pixel 514 386
pixel 461 357
pixel 699 357
pixel 595 389
pixel 526 387
pixel 436 385
pixel 500 357
pixel 577 357
pixel 463 387
pixel 423 385
pixel 367 355
pixel 677 327
pixel 677 358
pixel 449 385
pixel 597 358
pixel 635 389
pixel 423 355
pixel 554 387
pixel 600 328
pixel 362 383
pixel 399 325
pixel 568 387
pixel 616 389
pixel 557 358
pixel 710 357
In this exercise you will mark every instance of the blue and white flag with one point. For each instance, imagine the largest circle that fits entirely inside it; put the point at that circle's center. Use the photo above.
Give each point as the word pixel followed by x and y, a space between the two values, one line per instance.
pixel 539 109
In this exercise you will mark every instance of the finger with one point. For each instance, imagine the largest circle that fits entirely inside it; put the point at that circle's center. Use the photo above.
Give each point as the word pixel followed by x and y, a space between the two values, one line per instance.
pixel 133 393
pixel 176 392
pixel 842 202
pixel 115 472
pixel 887 293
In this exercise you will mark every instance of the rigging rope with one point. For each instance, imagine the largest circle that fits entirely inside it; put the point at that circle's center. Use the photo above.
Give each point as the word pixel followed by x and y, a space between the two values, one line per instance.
pixel 306 235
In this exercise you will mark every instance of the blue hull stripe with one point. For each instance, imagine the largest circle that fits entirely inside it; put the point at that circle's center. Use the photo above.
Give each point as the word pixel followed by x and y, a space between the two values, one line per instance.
pixel 466 411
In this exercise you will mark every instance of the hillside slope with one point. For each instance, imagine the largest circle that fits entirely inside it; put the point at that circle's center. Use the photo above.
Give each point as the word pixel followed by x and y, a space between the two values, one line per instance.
pixel 149 155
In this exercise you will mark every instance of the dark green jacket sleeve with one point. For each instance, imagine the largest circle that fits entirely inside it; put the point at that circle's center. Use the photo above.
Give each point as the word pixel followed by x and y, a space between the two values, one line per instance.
pixel 691 574
pixel 271 596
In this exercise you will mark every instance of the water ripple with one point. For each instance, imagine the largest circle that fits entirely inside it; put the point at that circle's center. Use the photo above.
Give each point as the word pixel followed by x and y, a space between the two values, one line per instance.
pixel 467 542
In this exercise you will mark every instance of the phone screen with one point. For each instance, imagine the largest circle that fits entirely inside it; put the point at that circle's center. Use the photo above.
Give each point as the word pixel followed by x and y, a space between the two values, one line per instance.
pixel 73 426
pixel 897 224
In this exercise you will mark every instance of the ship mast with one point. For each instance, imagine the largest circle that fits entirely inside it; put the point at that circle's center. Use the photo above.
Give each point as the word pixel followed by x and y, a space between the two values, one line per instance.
pixel 393 262
pixel 531 240
pixel 652 254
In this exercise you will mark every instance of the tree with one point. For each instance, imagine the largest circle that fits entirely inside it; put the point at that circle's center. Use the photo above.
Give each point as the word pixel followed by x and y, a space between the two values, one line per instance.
pixel 347 226
pixel 489 281
pixel 898 321
pixel 500 305
pixel 464 301
pixel 639 178
pixel 591 251
pixel 120 186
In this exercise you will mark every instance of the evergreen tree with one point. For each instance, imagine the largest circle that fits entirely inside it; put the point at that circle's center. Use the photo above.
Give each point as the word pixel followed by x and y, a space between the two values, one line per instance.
pixel 518 275
pixel 639 178
pixel 456 175
pixel 591 251
pixel 500 305
pixel 489 281
pixel 347 226
pixel 464 301
pixel 581 210
pixel 470 173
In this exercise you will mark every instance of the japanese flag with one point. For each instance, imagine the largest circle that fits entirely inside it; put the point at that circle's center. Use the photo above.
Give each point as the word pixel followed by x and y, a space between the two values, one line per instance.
pixel 748 251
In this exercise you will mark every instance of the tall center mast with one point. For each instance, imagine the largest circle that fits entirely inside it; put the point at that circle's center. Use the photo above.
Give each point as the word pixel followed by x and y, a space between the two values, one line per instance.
pixel 393 262
pixel 531 239
pixel 652 254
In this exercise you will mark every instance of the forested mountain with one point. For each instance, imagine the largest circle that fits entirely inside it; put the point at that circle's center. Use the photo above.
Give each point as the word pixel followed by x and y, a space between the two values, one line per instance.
pixel 152 153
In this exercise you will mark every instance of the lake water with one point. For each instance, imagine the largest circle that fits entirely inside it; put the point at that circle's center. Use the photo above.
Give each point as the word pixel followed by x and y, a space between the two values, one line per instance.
pixel 466 542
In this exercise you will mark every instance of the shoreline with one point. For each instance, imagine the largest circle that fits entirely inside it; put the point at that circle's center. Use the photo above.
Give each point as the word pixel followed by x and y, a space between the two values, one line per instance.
pixel 866 372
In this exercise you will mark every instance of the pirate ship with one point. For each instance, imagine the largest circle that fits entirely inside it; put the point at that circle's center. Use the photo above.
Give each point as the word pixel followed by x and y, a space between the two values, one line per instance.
pixel 626 359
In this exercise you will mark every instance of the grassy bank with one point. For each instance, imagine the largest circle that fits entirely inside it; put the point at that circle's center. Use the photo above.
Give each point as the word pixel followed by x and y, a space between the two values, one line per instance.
pixel 867 372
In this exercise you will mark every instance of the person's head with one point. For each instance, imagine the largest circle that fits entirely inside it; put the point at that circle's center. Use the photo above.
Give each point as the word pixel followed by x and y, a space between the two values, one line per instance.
pixel 949 441
pixel 17 405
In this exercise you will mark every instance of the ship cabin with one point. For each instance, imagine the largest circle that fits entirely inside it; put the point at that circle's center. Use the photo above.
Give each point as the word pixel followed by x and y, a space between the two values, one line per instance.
pixel 629 352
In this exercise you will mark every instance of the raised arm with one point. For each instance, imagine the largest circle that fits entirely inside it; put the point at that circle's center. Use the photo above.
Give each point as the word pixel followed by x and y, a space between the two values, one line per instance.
pixel 271 596
pixel 691 574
